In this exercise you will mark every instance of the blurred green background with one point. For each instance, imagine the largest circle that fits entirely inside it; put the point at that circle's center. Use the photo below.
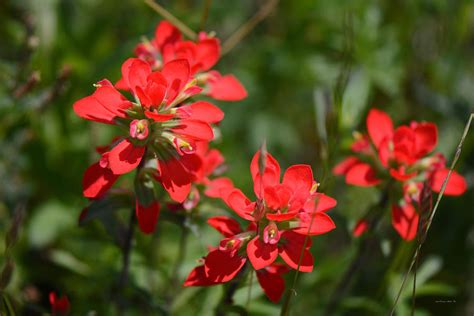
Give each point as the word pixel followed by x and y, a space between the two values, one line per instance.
pixel 312 70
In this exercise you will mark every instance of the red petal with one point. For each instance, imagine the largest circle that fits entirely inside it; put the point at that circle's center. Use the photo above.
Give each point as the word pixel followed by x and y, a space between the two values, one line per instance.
pixel 197 277
pixel 261 254
pixel 221 267
pixel 125 157
pixel 300 179
pixel 176 73
pixel 272 284
pixel 207 53
pixel 97 181
pixel 277 197
pixel 203 111
pixel 175 179
pixel 155 88
pixel 280 217
pixel 166 33
pixel 344 166
pixel 159 117
pixel 400 174
pixel 321 224
pixel 214 187
pixel 363 175
pixel 290 251
pixel 237 201
pixel 135 73
pixel 227 88
pixel 212 159
pixel 322 202
pixel 379 126
pixel 197 130
pixel 225 225
pixel 405 221
pixel 147 216
pixel 103 105
pixel 456 185
pixel 360 228
pixel 426 138
pixel 271 174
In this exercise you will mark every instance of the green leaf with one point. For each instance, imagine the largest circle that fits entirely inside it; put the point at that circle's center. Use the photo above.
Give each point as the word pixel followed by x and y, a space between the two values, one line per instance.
pixel 48 222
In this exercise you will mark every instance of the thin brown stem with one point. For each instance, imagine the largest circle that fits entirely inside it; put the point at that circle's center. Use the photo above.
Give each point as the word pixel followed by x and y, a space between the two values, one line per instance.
pixel 248 26
pixel 174 20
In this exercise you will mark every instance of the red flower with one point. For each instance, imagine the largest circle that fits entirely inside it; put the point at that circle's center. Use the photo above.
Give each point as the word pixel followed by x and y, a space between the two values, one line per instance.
pixel 59 305
pixel 224 263
pixel 401 153
pixel 168 45
pixel 279 220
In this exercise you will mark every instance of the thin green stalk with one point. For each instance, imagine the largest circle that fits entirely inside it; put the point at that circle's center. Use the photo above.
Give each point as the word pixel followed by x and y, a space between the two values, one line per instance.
pixel 430 220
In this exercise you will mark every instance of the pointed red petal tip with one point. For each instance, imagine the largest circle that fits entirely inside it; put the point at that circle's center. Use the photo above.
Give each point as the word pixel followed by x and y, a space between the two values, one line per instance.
pixel 426 138
pixel 175 178
pixel 177 74
pixel 344 166
pixel 261 254
pixel 290 251
pixel 194 129
pixel 216 187
pixel 457 185
pixel 125 157
pixel 360 228
pixel 102 106
pixel 207 53
pixel 227 88
pixel 221 267
pixel 97 181
pixel 237 201
pixel 166 33
pixel 272 283
pixel 271 174
pixel 197 277
pixel 147 216
pixel 225 225
pixel 362 174
pixel 203 111
pixel 379 126
pixel 320 224
pixel 405 221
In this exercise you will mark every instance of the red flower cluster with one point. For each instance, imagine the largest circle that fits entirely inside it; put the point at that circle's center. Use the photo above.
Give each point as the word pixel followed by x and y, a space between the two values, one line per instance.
pixel 162 128
pixel 59 305
pixel 279 220
pixel 169 45
pixel 404 154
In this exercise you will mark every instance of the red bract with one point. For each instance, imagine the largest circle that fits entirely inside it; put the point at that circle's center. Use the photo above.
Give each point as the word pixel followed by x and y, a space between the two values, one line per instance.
pixel 168 45
pixel 159 125
pixel 281 217
pixel 224 263
pixel 404 154
pixel 59 305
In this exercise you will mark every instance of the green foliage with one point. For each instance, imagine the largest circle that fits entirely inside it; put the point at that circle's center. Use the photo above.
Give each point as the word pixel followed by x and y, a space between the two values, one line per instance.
pixel 312 70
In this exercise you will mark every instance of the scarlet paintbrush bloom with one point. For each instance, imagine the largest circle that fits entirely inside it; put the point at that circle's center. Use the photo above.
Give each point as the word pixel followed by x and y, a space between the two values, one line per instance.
pixel 159 127
pixel 404 154
pixel 278 221
pixel 59 305
pixel 201 55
